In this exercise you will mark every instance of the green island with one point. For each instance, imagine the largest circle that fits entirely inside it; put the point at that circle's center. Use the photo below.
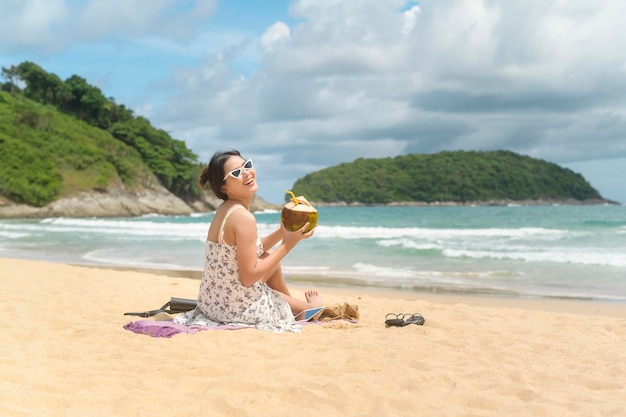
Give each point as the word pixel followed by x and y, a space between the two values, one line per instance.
pixel 449 177
pixel 59 137
pixel 67 149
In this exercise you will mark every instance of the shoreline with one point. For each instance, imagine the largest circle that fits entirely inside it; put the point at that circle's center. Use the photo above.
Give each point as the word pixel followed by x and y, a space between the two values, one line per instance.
pixel 556 305
pixel 107 205
pixel 487 203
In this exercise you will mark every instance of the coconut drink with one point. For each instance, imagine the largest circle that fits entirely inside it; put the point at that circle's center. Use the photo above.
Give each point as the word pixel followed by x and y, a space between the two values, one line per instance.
pixel 297 212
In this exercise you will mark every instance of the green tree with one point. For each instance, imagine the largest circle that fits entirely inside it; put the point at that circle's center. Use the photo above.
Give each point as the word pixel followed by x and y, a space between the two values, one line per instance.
pixel 41 86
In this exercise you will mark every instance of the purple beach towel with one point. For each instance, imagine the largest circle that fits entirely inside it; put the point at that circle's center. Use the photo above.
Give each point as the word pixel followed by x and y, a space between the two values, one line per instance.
pixel 167 328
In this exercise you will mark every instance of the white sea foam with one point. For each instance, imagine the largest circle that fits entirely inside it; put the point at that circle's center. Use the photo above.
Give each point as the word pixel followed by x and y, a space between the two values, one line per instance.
pixel 198 230
pixel 413 275
pixel 267 211
pixel 409 244
pixel 307 269
pixel 376 270
pixel 409 278
pixel 343 232
pixel 197 215
pixel 127 227
pixel 108 258
pixel 13 235
pixel 553 255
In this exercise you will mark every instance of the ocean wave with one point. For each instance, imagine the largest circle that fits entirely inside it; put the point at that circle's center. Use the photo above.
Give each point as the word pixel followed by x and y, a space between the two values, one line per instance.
pixel 169 227
pixel 13 235
pixel 134 261
pixel 266 211
pixel 342 232
pixel 409 244
pixel 126 227
pixel 551 255
pixel 371 275
pixel 200 215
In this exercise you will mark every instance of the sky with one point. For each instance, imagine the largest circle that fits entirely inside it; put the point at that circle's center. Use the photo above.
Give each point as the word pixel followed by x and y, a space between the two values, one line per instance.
pixel 302 85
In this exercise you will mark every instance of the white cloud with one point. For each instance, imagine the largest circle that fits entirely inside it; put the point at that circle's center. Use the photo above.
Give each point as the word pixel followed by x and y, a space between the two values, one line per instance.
pixel 103 18
pixel 24 24
pixel 276 33
pixel 410 16
pixel 53 25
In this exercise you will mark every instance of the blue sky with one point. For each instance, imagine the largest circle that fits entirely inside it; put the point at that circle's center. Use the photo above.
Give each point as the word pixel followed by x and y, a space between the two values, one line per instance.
pixel 302 85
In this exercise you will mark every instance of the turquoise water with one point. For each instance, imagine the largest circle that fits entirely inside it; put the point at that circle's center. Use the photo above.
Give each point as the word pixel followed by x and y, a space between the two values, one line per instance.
pixel 545 251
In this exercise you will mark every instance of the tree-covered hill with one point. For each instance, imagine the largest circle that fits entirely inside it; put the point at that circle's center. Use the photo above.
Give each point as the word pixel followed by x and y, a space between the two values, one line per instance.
pixel 46 154
pixel 59 137
pixel 458 177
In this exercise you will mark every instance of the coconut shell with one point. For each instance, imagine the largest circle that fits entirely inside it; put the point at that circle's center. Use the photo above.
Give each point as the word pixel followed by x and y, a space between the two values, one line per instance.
pixel 294 216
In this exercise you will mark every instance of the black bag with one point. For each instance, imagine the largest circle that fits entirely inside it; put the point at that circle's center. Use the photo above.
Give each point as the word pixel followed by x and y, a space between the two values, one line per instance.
pixel 174 306
pixel 181 305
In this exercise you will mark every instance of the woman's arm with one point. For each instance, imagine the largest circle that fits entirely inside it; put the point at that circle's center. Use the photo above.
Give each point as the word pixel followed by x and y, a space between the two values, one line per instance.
pixel 251 268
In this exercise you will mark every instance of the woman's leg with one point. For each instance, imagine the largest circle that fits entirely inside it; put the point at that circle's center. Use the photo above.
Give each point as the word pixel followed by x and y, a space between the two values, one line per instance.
pixel 313 299
pixel 276 281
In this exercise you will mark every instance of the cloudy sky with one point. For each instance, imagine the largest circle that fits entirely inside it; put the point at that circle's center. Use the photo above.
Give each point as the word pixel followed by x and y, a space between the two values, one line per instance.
pixel 303 85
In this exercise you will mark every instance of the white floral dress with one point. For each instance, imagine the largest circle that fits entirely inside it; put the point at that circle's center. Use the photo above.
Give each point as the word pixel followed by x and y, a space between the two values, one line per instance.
pixel 222 298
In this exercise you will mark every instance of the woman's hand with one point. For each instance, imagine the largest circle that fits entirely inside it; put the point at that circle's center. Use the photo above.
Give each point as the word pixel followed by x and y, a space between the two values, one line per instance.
pixel 251 268
pixel 290 239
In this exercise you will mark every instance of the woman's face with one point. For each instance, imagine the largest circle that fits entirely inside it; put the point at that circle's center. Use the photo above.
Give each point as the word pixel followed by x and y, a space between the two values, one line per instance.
pixel 239 175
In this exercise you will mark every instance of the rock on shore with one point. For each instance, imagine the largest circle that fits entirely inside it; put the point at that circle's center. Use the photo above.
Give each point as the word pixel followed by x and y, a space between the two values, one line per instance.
pixel 119 204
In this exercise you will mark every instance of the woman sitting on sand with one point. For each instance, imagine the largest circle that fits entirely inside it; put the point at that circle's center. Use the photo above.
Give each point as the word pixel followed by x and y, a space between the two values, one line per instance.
pixel 242 282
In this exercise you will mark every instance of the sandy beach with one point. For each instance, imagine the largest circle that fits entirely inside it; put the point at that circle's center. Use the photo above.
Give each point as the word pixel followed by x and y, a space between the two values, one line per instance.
pixel 66 353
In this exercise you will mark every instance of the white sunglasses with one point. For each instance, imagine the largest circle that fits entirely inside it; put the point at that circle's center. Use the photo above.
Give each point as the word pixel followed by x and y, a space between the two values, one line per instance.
pixel 236 173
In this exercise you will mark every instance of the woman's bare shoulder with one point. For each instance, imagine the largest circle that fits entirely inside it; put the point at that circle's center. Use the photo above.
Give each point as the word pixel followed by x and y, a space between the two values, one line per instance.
pixel 240 214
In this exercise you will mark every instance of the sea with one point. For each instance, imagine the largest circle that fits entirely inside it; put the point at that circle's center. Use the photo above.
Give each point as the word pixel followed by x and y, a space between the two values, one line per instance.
pixel 562 252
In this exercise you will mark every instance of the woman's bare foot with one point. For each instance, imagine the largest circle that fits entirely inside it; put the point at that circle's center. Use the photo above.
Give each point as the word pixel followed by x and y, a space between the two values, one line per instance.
pixel 313 298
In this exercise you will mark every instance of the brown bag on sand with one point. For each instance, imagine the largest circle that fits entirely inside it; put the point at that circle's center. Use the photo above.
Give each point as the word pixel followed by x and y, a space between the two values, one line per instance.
pixel 338 312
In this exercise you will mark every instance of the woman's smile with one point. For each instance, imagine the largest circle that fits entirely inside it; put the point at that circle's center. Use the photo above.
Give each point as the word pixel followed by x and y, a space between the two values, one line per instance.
pixel 250 181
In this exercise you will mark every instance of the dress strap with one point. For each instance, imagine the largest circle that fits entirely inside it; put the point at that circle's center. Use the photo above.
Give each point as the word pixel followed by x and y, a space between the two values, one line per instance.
pixel 233 208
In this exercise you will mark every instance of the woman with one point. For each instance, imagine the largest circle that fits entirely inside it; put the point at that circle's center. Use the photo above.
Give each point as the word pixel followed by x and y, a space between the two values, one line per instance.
pixel 243 281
